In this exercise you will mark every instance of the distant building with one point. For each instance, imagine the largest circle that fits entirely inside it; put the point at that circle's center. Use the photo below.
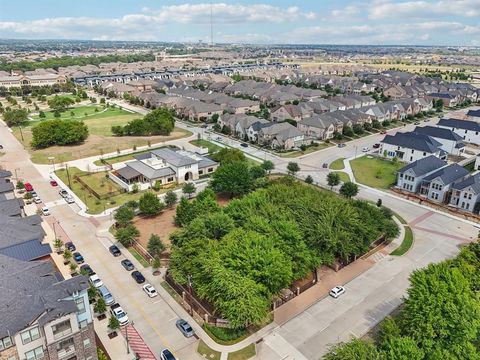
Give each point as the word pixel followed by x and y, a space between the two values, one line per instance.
pixel 31 80
pixel 468 130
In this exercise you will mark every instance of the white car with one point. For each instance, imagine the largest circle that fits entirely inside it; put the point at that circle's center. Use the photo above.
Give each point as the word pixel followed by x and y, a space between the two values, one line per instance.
pixel 117 311
pixel 45 211
pixel 337 291
pixel 366 149
pixel 37 200
pixel 95 280
pixel 150 290
pixel 69 200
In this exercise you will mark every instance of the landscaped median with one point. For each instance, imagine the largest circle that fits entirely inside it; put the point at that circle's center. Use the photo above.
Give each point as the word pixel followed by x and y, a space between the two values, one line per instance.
pixel 406 243
pixel 337 164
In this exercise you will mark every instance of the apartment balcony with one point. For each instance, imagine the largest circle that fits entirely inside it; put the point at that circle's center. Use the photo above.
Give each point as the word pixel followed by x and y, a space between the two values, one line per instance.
pixel 66 351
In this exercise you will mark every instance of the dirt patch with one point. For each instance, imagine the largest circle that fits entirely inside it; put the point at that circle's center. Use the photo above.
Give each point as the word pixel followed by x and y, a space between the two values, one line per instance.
pixel 162 225
pixel 223 200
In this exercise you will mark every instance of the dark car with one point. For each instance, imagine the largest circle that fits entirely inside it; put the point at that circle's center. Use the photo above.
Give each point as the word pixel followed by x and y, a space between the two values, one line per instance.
pixel 127 264
pixel 184 327
pixel 70 246
pixel 167 355
pixel 341 145
pixel 137 275
pixel 376 146
pixel 325 165
pixel 115 250
pixel 1 147
pixel 244 144
pixel 78 258
pixel 87 269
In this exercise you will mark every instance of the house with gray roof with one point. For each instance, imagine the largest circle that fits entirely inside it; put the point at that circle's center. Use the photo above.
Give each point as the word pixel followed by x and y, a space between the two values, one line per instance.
pixel 468 130
pixel 451 142
pixel 163 166
pixel 466 194
pixel 411 146
pixel 436 186
pixel 317 127
pixel 410 177
pixel 43 316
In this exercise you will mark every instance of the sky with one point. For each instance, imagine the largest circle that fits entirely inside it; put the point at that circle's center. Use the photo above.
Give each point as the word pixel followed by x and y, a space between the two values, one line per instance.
pixel 364 22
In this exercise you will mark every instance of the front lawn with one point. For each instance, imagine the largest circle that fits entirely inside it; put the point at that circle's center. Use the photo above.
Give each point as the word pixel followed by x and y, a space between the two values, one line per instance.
pixel 375 172
pixel 206 352
pixel 344 177
pixel 207 144
pixel 94 180
pixel 310 149
pixel 337 164
pixel 243 354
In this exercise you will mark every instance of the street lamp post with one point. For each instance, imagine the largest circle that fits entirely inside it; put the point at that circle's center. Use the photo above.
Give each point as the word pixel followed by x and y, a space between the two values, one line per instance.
pixel 190 293
pixel 126 336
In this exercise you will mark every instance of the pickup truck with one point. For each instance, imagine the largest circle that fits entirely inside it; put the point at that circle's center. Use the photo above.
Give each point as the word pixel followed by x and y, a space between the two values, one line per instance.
pixel 117 311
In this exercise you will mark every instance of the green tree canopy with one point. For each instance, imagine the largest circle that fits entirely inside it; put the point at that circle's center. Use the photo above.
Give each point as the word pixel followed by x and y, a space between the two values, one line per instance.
pixel 124 215
pixel 60 103
pixel 333 179
pixel 58 132
pixel 229 154
pixel 155 245
pixel 189 189
pixel 232 177
pixel 149 204
pixel 127 235
pixel 293 168
pixel 15 117
pixel 170 198
pixel 349 189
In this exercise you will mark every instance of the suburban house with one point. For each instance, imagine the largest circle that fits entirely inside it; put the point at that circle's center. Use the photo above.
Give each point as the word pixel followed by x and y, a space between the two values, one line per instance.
pixel 474 114
pixel 468 130
pixel 410 177
pixel 448 100
pixel 252 130
pixel 452 143
pixel 281 135
pixel 164 166
pixel 284 112
pixel 436 186
pixel 411 146
pixel 466 193
pixel 44 316
pixel 317 128
pixel 119 89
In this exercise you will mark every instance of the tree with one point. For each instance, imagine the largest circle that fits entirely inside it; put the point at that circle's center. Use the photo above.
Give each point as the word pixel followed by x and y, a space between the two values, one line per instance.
pixel 348 131
pixel 358 129
pixel 73 267
pixel 229 154
pixel 379 202
pixel 189 189
pixel 170 198
pixel 15 117
pixel 58 132
pixel 20 185
pixel 124 215
pixel 58 245
pixel 333 179
pixel 309 180
pixel 127 235
pixel 232 177
pixel 100 306
pixel 293 168
pixel 149 204
pixel 113 323
pixel 60 103
pixel 101 355
pixel 268 166
pixel 356 349
pixel 155 245
pixel 349 189
pixel 67 255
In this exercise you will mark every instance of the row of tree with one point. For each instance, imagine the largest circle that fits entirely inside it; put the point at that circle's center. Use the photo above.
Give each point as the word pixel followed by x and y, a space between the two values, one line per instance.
pixel 156 122
pixel 440 318
pixel 240 256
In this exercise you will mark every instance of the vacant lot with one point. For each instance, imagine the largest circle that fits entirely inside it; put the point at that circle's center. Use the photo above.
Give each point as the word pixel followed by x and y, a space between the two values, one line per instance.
pixel 162 225
pixel 207 144
pixel 375 172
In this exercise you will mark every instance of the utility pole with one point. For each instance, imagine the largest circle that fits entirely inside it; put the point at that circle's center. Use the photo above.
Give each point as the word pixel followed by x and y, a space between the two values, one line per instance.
pixel 190 293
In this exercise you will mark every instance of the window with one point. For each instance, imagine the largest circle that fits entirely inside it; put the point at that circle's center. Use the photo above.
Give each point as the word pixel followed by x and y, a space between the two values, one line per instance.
pixel 210 170
pixel 12 357
pixel 6 342
pixel 30 335
pixel 424 154
pixel 82 324
pixel 170 179
pixel 80 305
pixel 61 329
pixel 413 151
pixel 86 343
pixel 468 206
pixel 200 172
pixel 66 345
pixel 35 354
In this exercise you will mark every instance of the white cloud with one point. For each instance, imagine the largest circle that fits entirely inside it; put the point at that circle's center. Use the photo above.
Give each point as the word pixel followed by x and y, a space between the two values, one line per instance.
pixel 344 13
pixel 382 9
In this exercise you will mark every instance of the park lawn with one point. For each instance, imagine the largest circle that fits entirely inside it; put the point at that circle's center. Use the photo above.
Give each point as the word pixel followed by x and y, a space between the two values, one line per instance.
pixel 344 177
pixel 212 148
pixel 139 257
pixel 337 164
pixel 94 205
pixel 310 149
pixel 79 113
pixel 243 354
pixel 375 172
pixel 406 243
pixel 206 352
pixel 93 146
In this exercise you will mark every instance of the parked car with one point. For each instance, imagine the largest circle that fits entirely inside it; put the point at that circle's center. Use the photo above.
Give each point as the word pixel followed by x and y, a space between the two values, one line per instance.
pixel 1 147
pixel 87 269
pixel 325 165
pixel 167 355
pixel 376 146
pixel 37 200
pixel 45 211
pixel 53 183
pixel 78 258
pixel 139 278
pixel 95 280
pixel 127 264
pixel 117 311
pixel 114 250
pixel 341 145
pixel 150 290
pixel 366 149
pixel 69 199
pixel 383 132
pixel 185 328
pixel 63 193
pixel 34 194
pixel 28 186
pixel 417 123
pixel 244 145
pixel 337 291
pixel 70 246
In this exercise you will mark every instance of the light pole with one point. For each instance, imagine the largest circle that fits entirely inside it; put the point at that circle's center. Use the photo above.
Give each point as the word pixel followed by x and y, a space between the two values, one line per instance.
pixel 16 176
pixel 126 336
pixel 52 160
pixel 190 293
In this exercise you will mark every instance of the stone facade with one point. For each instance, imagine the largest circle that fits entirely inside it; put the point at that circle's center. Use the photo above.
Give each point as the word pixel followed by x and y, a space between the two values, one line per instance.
pixel 84 346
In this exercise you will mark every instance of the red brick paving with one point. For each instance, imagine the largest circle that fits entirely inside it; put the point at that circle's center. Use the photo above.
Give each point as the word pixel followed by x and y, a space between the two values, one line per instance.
pixel 137 344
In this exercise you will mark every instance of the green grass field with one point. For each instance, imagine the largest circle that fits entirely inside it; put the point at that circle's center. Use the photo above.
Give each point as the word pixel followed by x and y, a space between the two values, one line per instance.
pixel 243 354
pixel 207 144
pixel 337 164
pixel 375 172
pixel 406 243
pixel 344 177
pixel 297 153
pixel 206 352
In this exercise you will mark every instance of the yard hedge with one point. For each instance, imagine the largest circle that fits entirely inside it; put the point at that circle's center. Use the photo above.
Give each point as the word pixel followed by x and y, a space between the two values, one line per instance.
pixel 241 255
